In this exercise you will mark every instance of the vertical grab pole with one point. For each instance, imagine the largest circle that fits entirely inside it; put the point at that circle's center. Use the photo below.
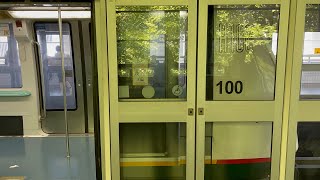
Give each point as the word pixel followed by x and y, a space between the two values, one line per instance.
pixel 64 83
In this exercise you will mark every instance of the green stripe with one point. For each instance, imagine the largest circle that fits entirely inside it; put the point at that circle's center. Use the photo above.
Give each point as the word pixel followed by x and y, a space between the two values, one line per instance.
pixel 19 93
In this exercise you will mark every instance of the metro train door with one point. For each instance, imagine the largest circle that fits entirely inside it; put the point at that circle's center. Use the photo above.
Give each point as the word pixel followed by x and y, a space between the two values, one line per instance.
pixel 228 111
pixel 152 88
pixel 47 35
pixel 303 126
pixel 240 86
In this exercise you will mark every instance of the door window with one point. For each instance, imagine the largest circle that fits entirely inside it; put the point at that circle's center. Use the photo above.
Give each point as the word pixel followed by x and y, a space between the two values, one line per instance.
pixel 48 37
pixel 310 75
pixel 152 48
pixel 242 52
pixel 153 150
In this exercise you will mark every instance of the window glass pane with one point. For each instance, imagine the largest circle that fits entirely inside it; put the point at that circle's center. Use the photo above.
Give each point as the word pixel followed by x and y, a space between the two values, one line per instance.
pixel 10 68
pixel 152 52
pixel 307 164
pixel 153 151
pixel 238 150
pixel 310 79
pixel 242 52
pixel 48 37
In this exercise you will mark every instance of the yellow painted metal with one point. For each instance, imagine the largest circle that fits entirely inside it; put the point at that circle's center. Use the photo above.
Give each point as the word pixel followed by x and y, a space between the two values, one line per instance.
pixel 101 54
pixel 287 93
pixel 299 110
pixel 295 110
pixel 12 177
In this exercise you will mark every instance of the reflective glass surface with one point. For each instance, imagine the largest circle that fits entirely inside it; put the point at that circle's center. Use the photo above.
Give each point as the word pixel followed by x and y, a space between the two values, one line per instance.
pixel 238 150
pixel 242 52
pixel 153 151
pixel 310 75
pixel 307 165
pixel 48 37
pixel 10 68
pixel 152 52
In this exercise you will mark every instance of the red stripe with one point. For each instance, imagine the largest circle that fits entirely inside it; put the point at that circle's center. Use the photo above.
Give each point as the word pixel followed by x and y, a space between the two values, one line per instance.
pixel 244 161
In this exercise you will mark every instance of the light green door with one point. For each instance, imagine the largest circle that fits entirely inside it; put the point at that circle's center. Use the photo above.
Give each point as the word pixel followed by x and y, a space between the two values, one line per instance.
pixel 240 86
pixel 215 116
pixel 152 65
pixel 303 132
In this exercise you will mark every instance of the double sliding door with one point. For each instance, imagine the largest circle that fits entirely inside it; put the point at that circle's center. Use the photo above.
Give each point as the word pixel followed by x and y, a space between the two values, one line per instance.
pixel 196 89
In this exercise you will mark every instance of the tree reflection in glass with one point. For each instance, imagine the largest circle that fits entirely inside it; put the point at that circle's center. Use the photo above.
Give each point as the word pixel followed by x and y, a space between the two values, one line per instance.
pixel 151 51
pixel 242 46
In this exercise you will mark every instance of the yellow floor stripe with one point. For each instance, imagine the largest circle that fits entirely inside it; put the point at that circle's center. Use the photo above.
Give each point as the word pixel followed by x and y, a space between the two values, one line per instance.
pixel 11 178
pixel 214 161
pixel 153 163
pixel 167 163
pixel 207 161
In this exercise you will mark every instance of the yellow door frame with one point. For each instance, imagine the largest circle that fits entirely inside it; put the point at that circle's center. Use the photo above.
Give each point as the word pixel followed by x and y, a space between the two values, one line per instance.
pixel 100 23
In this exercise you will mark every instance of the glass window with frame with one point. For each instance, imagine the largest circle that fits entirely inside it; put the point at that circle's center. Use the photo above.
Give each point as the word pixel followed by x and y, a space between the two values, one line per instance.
pixel 10 67
pixel 307 151
pixel 310 74
pixel 238 150
pixel 153 151
pixel 152 52
pixel 49 39
pixel 242 52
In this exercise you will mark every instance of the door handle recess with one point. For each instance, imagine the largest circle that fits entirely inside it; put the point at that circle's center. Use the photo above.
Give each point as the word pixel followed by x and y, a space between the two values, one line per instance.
pixel 200 111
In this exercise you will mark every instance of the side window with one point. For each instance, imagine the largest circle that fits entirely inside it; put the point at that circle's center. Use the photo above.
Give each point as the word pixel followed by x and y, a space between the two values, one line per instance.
pixel 10 68
pixel 49 39
pixel 310 81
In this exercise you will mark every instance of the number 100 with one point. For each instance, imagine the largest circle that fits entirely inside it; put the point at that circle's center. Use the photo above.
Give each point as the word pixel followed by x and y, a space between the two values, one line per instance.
pixel 230 87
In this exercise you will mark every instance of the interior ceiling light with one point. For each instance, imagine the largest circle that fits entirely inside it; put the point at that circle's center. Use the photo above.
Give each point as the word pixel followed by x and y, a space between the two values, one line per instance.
pixel 50 14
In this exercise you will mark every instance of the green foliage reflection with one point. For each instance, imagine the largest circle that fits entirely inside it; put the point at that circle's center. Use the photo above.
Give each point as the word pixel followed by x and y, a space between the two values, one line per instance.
pixel 149 35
